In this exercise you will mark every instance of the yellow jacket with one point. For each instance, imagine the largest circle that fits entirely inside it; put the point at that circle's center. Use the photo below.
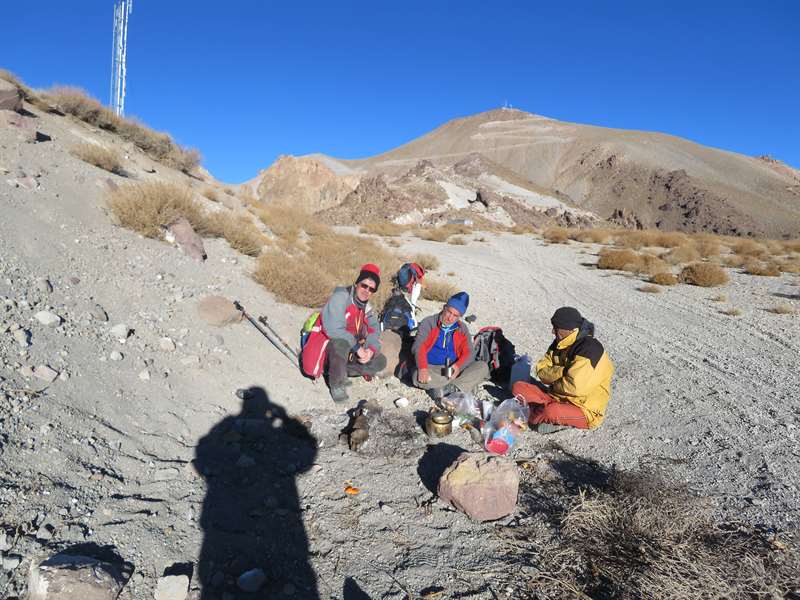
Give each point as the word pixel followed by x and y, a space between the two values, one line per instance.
pixel 579 371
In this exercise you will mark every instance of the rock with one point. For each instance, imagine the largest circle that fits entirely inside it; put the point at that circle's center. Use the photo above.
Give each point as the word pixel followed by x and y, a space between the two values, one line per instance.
pixel 10 96
pixel 184 236
pixel 23 338
pixel 26 372
pixel 66 577
pixel 44 285
pixel 24 127
pixel 11 562
pixel 144 375
pixel 391 344
pixel 218 311
pixel 401 402
pixel 120 331
pixel 74 280
pixel 45 373
pixel 4 543
pixel 251 581
pixel 47 318
pixel 116 356
pixel 99 313
pixel 172 587
pixel 166 344
pixel 482 486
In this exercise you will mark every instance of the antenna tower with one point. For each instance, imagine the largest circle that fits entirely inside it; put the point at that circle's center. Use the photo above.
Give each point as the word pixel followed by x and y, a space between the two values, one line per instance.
pixel 119 52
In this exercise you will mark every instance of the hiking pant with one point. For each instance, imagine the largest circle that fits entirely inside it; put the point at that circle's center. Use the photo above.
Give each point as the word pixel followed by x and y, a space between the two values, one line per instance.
pixel 339 369
pixel 473 375
pixel 546 409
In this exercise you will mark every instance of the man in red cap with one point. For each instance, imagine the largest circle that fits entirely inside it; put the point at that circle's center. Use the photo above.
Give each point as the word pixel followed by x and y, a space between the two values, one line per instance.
pixel 347 340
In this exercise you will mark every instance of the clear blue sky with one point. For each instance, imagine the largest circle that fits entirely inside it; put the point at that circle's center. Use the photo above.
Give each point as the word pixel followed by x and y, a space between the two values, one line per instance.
pixel 245 81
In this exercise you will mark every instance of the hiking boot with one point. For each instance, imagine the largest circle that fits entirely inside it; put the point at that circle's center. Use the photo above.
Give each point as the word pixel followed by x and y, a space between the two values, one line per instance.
pixel 339 395
pixel 548 428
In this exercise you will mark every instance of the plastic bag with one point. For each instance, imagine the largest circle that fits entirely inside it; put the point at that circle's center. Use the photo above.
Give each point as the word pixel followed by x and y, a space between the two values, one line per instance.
pixel 520 370
pixel 505 426
pixel 462 404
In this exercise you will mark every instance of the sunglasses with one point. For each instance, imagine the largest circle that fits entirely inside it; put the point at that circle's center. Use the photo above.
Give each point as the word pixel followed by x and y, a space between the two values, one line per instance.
pixel 369 288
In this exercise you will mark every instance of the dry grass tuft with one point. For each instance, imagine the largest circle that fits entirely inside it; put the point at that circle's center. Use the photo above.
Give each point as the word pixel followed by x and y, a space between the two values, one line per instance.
pixel 748 248
pixel 703 275
pixel 650 289
pixel 789 265
pixel 650 238
pixel 754 267
pixel 719 298
pixel 438 291
pixel 438 234
pixel 731 312
pixel 103 158
pixel 149 207
pixel 663 278
pixel 239 231
pixel 457 241
pixel 287 223
pixel 427 261
pixel 791 245
pixel 627 260
pixel 733 260
pixel 523 230
pixel 681 254
pixel 592 236
pixel 28 94
pixel 211 194
pixel 385 229
pixel 556 235
pixel 783 309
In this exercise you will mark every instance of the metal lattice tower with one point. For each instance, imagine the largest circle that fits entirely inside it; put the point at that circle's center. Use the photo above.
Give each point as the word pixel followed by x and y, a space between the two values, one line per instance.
pixel 119 51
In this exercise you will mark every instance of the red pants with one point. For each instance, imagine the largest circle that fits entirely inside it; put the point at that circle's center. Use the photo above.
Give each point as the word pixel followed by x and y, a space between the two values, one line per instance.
pixel 546 409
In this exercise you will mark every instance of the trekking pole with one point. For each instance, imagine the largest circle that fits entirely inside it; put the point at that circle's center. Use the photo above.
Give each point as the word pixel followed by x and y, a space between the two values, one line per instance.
pixel 268 332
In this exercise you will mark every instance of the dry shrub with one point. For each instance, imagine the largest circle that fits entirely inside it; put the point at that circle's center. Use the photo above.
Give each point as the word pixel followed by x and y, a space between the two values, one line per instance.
pixel 650 289
pixel 230 191
pixel 592 236
pixel 703 275
pixel 159 146
pixel 427 261
pixel 748 248
pixel 286 223
pixel 789 265
pixel 754 267
pixel 708 248
pixel 330 260
pixel 239 231
pixel 663 278
pixel 103 158
pixel 457 241
pixel 151 206
pixel 523 230
pixel 627 260
pixel 438 291
pixel 731 312
pixel 556 235
pixel 719 298
pixel 681 254
pixel 650 237
pixel 385 228
pixel 783 309
pixel 791 245
pixel 733 260
pixel 637 536
pixel 27 93
pixel 437 234
pixel 211 194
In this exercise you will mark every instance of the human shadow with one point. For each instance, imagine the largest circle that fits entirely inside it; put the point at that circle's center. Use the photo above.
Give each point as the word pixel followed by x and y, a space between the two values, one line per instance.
pixel 352 591
pixel 435 461
pixel 251 515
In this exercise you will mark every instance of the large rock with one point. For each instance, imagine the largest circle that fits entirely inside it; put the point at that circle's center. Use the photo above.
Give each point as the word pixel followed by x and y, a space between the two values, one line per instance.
pixel 172 587
pixel 184 236
pixel 24 127
pixel 482 486
pixel 10 96
pixel 67 577
pixel 391 346
pixel 218 311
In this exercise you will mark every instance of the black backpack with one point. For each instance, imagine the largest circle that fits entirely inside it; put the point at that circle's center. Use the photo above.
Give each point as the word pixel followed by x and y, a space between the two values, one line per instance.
pixel 492 347
pixel 396 312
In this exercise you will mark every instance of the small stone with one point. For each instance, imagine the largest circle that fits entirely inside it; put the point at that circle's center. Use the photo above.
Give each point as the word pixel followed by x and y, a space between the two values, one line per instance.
pixel 74 280
pixel 63 376
pixel 11 562
pixel 4 544
pixel 401 402
pixel 144 375
pixel 26 372
pixel 22 337
pixel 387 509
pixel 98 313
pixel 172 587
pixel 120 332
pixel 218 311
pixel 166 344
pixel 44 285
pixel 116 356
pixel 45 373
pixel 47 318
pixel 251 581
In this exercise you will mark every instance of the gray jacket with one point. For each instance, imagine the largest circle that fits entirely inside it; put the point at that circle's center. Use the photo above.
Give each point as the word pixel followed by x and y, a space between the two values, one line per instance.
pixel 343 320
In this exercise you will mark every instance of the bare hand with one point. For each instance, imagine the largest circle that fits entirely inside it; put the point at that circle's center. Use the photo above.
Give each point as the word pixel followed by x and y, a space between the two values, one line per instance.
pixel 423 376
pixel 456 370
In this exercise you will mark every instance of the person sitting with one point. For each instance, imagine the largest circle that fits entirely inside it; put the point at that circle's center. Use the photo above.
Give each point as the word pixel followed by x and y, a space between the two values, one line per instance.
pixel 577 370
pixel 345 338
pixel 443 352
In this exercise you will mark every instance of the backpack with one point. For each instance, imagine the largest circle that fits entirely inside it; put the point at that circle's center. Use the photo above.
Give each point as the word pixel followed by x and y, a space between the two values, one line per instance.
pixel 397 312
pixel 408 275
pixel 492 347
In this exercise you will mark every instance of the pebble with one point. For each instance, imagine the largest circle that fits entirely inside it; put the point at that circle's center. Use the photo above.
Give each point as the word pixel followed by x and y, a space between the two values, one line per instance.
pixel 116 356
pixel 401 402
pixel 251 581
pixel 4 544
pixel 47 318
pixel 23 338
pixel 44 285
pixel 11 562
pixel 166 344
pixel 45 373
pixel 120 332
pixel 172 587
pixel 74 280
pixel 63 376
pixel 26 372
pixel 98 313
pixel 144 375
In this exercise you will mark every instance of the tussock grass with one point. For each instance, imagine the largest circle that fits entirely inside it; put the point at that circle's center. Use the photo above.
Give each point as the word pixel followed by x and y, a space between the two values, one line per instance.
pixel 627 260
pixel 761 269
pixel 102 158
pixel 791 245
pixel 523 230
pixel 783 309
pixel 438 291
pixel 681 254
pixel 663 278
pixel 287 223
pixel 149 207
pixel 211 194
pixel 159 146
pixel 239 231
pixel 703 275
pixel 747 247
pixel 385 229
pixel 438 234
pixel 650 289
pixel 789 265
pixel 650 238
pixel 457 241
pixel 592 236
pixel 427 261
pixel 556 235
pixel 731 312
pixel 733 260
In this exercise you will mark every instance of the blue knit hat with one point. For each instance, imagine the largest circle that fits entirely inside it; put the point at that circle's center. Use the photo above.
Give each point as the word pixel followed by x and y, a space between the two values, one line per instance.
pixel 459 301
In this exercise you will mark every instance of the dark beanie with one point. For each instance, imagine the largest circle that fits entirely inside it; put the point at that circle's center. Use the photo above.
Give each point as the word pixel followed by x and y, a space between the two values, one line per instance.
pixel 566 317
pixel 370 271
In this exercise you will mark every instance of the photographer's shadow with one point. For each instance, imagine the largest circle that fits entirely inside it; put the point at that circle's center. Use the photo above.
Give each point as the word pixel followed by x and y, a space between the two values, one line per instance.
pixel 251 516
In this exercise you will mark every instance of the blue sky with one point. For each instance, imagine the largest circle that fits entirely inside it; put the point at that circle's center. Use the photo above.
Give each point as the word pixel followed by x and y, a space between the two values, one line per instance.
pixel 245 81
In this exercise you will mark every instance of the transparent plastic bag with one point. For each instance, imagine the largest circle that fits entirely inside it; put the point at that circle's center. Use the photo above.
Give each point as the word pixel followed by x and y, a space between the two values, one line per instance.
pixel 505 426
pixel 462 404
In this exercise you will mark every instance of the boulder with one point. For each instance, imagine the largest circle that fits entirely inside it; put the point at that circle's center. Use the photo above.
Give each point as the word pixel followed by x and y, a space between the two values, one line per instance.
pixel 218 311
pixel 482 486
pixel 391 346
pixel 66 577
pixel 184 236
pixel 24 127
pixel 172 587
pixel 10 96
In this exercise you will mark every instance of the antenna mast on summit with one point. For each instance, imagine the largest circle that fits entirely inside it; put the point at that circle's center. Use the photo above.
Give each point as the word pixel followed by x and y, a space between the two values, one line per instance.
pixel 119 52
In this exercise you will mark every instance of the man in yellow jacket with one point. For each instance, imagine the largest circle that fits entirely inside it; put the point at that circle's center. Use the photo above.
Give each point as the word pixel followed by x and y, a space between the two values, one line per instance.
pixel 577 370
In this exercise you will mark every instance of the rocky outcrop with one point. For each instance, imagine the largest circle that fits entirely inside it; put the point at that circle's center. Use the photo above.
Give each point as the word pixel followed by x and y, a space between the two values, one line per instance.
pixel 482 486
pixel 10 96
pixel 373 200
pixel 182 234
